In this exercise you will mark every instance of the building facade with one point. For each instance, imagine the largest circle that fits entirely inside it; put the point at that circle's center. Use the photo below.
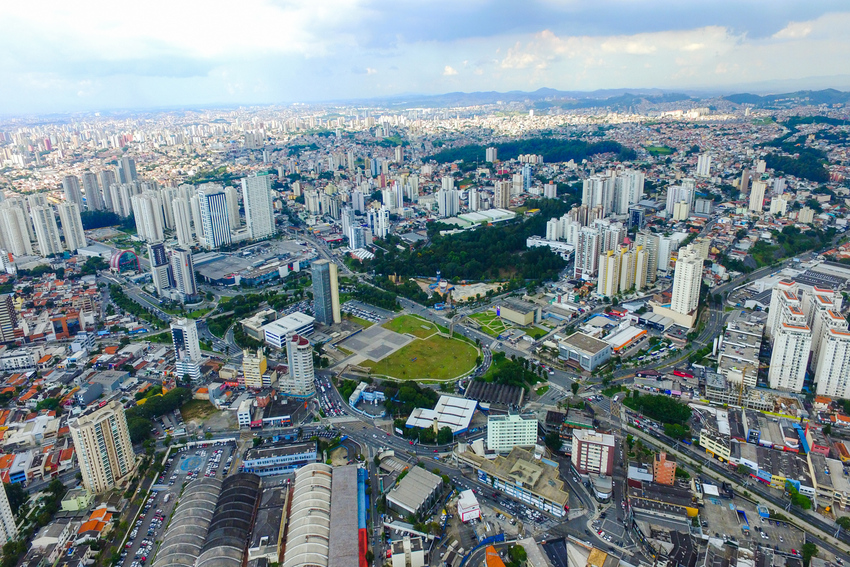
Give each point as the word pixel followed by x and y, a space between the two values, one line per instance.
pixel 102 443
pixel 326 292
pixel 504 432
pixel 593 452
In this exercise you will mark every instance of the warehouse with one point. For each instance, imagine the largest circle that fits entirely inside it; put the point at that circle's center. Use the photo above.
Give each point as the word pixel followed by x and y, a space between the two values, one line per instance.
pixel 233 518
pixel 625 337
pixel 267 460
pixel 417 492
pixel 450 411
pixel 187 532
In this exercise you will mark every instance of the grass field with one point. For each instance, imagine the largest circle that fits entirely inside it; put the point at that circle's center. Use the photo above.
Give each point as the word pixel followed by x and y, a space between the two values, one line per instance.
pixel 535 332
pixel 362 322
pixel 433 358
pixel 408 324
pixel 199 313
pixel 197 410
pixel 490 323
pixel 659 150
pixel 542 390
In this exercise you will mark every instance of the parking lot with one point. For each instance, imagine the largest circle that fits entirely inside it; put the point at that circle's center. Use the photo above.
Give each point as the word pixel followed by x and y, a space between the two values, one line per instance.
pixel 367 312
pixel 181 467
pixel 723 518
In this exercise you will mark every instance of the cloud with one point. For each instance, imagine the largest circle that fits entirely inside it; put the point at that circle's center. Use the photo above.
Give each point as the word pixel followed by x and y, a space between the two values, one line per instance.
pixel 449 71
pixel 794 30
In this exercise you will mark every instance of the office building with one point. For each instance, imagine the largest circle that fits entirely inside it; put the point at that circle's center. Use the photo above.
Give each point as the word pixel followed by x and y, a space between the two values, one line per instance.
pixel 275 332
pixel 584 351
pixel 259 208
pixel 683 193
pixel 214 216
pixel 757 196
pixel 300 381
pixel 704 165
pixel 504 432
pixel 72 226
pixel 183 273
pixel 187 348
pixel 593 452
pixel 326 292
pixel 792 341
pixel 738 349
pixel 253 368
pixel 102 444
pixel 416 492
pixel 160 268
pixel 687 279
pixel 94 200
pixel 71 186
pixel 15 227
pixel 46 231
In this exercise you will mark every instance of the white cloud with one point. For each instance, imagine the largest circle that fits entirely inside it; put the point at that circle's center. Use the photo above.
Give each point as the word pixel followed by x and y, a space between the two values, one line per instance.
pixel 371 71
pixel 794 30
pixel 449 71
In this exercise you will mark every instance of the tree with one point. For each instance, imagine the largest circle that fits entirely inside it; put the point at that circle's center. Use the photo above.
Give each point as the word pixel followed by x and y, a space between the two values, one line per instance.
pixel 744 469
pixel 827 429
pixel 843 521
pixel 676 431
pixel 444 436
pixel 553 441
pixel 809 550
pixel 518 555
pixel 575 387
pixel 17 496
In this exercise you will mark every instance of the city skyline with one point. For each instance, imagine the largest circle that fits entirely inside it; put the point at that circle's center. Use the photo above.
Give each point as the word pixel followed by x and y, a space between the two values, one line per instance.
pixel 85 57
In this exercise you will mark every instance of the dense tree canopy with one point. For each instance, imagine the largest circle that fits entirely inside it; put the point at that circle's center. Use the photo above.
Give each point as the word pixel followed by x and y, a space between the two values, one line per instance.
pixel 659 407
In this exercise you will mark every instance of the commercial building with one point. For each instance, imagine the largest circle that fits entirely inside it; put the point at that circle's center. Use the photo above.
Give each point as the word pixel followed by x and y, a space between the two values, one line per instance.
pixel 268 460
pixel 160 268
pixel 450 411
pixel 214 216
pixel 664 469
pixel 187 348
pixel 467 506
pixel 519 312
pixel 300 381
pixel 580 350
pixel 417 492
pixel 259 209
pixel 739 347
pixel 593 452
pixel 534 481
pixel 183 272
pixel 714 436
pixel 275 333
pixel 504 432
pixel 254 367
pixel 408 552
pixel 102 443
pixel 326 292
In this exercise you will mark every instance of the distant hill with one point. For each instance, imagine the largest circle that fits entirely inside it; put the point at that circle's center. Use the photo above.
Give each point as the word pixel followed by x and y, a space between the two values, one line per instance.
pixel 825 96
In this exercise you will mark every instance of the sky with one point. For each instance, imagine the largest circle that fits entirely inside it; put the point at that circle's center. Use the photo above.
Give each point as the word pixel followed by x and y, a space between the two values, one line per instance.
pixel 61 56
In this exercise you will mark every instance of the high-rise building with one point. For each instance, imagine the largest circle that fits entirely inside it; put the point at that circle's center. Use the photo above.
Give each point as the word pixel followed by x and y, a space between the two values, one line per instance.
pixel 8 528
pixel 757 196
pixel 160 267
pixel 664 469
pixel 182 212
pixel 744 186
pixel 704 165
pixel 15 226
pixel 46 231
pixel 504 432
pixel 94 200
pixel 526 177
pixel 784 294
pixel 683 193
pixel 73 194
pixel 502 194
pixel 253 368
pixel 300 381
pixel 72 226
pixel 147 212
pixel 550 191
pixel 127 168
pixel 183 272
pixel 474 200
pixel 107 180
pixel 326 292
pixel 8 318
pixel 641 267
pixel 187 348
pixel 102 444
pixel 214 216
pixel 687 280
pixel 383 228
pixel 792 342
pixel 609 274
pixel 490 155
pixel 832 364
pixel 259 209
pixel 231 197
pixel 593 452
pixel 587 252
pixel 448 201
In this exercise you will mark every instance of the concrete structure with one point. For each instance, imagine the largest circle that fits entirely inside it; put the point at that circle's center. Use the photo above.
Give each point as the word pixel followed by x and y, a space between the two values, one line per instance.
pixel 504 432
pixel 326 292
pixel 519 312
pixel 214 216
pixel 46 231
pixel 584 351
pixel 183 272
pixel 160 268
pixel 450 411
pixel 534 481
pixel 274 459
pixel 663 469
pixel 300 381
pixel 254 366
pixel 467 506
pixel 8 318
pixel 72 226
pixel 593 452
pixel 8 528
pixel 187 348
pixel 408 552
pixel 791 346
pixel 832 364
pixel 102 443
pixel 275 333
pixel 757 196
pixel 686 283
pixel 259 209
pixel 417 492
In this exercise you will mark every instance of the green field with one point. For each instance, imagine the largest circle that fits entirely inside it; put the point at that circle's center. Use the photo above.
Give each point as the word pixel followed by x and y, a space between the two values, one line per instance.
pixel 197 409
pixel 362 322
pixel 491 324
pixel 659 150
pixel 535 332
pixel 542 390
pixel 411 325
pixel 433 358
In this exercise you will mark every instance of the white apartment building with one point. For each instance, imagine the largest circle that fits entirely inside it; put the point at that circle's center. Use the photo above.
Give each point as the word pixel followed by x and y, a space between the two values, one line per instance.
pixel 687 279
pixel 593 452
pixel 300 381
pixel 259 208
pixel 792 341
pixel 102 443
pixel 757 196
pixel 504 432
pixel 8 528
pixel 72 226
pixel 46 231
pixel 832 364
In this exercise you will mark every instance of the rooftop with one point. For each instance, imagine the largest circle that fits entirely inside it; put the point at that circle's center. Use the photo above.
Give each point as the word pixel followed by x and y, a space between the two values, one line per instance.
pixel 585 343
pixel 415 488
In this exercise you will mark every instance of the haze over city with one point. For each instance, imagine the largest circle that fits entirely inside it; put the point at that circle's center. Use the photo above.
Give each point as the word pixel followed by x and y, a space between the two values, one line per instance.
pixel 89 55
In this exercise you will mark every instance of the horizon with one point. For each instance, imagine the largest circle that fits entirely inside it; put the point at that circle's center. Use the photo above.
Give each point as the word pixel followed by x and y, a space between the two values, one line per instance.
pixel 88 57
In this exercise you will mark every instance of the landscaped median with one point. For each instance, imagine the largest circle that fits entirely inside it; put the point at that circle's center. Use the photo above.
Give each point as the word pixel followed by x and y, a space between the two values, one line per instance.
pixel 430 356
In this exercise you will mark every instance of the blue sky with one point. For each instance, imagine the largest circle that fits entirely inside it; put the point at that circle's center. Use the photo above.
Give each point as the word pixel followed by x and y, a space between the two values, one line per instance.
pixel 89 55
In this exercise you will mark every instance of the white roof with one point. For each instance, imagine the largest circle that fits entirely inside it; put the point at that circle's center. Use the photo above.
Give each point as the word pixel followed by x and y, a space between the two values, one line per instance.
pixel 710 490
pixel 624 336
pixel 281 327
pixel 467 501
pixel 454 413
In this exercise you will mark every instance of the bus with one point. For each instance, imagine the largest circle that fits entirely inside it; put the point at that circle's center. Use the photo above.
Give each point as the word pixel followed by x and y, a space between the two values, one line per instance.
pixel 647 373
pixel 682 374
